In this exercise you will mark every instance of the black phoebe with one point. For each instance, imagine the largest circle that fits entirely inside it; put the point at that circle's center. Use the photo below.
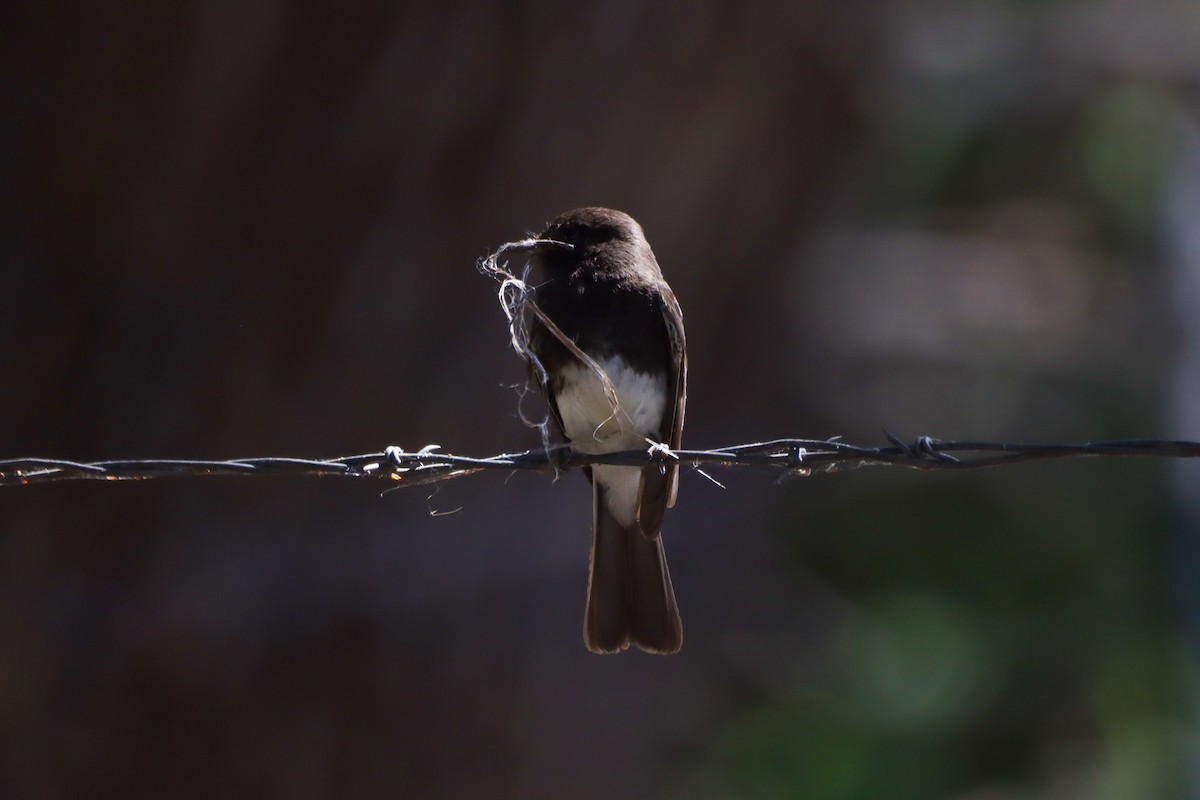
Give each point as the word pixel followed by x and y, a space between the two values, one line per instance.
pixel 608 296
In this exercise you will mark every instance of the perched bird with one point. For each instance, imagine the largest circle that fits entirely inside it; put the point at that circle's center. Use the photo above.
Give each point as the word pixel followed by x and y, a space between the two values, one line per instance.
pixel 607 295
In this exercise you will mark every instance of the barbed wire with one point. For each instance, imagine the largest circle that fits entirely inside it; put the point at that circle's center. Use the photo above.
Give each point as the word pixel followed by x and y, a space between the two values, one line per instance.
pixel 784 458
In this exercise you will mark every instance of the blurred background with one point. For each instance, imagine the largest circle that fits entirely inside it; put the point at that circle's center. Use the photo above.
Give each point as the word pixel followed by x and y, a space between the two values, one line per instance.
pixel 249 229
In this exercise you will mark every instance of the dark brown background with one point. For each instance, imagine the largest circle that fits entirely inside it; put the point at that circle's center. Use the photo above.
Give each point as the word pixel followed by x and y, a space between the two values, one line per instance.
pixel 237 229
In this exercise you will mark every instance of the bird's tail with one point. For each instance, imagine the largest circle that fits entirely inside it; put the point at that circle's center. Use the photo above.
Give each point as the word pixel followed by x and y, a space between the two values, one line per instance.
pixel 630 597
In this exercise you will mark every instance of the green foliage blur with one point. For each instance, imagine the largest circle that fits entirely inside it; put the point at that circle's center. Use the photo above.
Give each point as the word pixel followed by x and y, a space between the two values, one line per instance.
pixel 1010 633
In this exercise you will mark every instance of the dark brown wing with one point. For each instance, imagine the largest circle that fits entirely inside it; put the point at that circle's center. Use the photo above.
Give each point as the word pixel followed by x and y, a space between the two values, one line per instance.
pixel 660 486
pixel 676 382
pixel 556 435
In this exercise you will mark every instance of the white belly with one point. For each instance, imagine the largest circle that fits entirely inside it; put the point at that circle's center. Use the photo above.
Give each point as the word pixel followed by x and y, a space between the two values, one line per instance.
pixel 594 424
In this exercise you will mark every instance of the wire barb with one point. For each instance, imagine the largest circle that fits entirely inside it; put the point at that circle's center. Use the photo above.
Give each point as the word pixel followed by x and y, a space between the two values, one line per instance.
pixel 782 457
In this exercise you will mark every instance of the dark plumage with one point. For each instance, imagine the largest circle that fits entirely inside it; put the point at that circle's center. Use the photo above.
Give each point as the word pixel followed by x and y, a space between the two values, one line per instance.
pixel 608 296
